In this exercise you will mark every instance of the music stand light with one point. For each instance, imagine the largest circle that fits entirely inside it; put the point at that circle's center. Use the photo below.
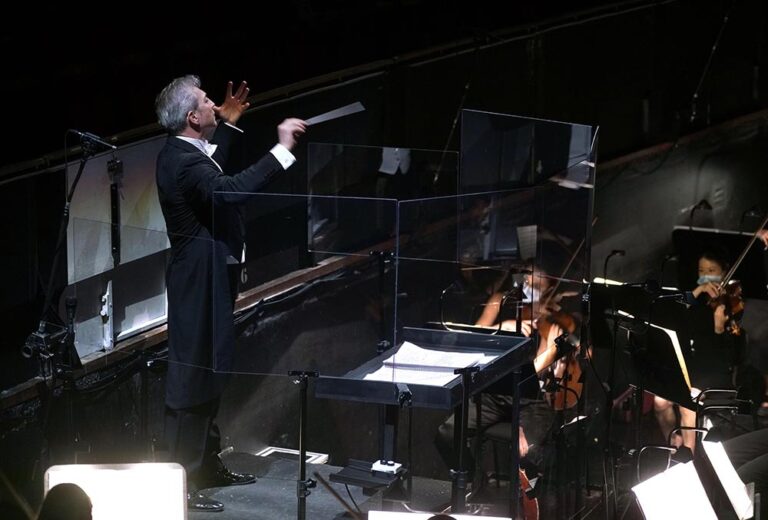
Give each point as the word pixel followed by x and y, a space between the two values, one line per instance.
pixel 127 491
pixel 674 493
pixel 690 490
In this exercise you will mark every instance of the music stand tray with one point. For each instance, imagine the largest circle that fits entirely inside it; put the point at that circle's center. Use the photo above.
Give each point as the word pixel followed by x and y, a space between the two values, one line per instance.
pixel 511 352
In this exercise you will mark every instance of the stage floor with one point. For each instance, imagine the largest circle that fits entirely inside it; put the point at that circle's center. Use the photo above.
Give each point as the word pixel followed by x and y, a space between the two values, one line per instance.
pixel 273 496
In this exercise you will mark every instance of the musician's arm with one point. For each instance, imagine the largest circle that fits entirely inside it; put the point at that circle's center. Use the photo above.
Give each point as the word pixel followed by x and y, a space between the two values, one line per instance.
pixel 720 319
pixel 763 235
pixel 547 353
pixel 490 311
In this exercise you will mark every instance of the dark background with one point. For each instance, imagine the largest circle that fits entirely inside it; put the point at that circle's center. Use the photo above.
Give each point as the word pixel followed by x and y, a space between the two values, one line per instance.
pixel 60 71
pixel 630 67
pixel 102 75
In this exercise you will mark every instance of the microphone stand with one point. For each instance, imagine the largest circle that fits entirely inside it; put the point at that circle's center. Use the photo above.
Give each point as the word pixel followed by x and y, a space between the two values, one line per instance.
pixel 51 343
pixel 40 343
pixel 609 470
pixel 615 252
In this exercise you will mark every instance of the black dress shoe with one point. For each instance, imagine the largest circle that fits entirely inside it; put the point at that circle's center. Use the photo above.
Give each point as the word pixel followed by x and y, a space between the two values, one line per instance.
pixel 223 477
pixel 199 502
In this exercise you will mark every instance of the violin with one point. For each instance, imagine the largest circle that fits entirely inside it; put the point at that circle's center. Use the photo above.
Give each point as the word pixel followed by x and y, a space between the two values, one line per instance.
pixel 731 297
pixel 565 380
pixel 530 505
pixel 730 294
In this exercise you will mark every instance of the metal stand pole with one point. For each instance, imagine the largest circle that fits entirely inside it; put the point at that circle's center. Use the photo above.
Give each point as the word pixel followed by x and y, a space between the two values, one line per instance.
pixel 303 484
pixel 514 454
pixel 459 476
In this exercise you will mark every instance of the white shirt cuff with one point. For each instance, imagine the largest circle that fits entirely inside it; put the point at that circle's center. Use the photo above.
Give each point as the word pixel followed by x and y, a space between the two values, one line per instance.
pixel 283 156
pixel 233 127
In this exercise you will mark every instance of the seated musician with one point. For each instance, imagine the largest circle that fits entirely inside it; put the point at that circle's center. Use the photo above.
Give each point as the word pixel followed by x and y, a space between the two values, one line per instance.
pixel 715 350
pixel 497 408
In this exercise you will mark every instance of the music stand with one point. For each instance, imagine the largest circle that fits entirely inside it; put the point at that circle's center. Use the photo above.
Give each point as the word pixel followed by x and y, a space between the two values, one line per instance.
pixel 660 363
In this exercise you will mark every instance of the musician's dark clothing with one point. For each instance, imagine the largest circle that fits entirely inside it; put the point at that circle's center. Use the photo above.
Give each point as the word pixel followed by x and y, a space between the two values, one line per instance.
pixel 202 286
pixel 536 418
pixel 711 357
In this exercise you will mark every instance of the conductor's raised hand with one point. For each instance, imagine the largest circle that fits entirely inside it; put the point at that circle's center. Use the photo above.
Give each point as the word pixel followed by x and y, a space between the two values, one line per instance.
pixel 234 104
pixel 289 131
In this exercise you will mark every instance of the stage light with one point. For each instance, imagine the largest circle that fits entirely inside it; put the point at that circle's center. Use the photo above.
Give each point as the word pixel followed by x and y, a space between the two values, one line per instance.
pixel 679 492
pixel 675 493
pixel 127 491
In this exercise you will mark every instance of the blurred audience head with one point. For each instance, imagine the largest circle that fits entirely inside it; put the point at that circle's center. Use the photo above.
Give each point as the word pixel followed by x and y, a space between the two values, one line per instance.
pixel 65 502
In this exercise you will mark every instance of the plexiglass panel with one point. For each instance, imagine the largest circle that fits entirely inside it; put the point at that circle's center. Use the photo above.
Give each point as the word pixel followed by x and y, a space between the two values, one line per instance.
pixel 380 171
pixel 557 159
pixel 329 318
pixel 501 151
pixel 462 258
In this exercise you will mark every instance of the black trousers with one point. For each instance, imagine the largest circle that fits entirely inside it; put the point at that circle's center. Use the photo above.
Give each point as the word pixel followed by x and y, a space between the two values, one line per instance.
pixel 194 440
pixel 536 418
pixel 749 455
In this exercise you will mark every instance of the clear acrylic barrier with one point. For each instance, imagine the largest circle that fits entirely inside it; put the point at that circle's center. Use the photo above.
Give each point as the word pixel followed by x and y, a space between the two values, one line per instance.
pixel 557 160
pixel 114 302
pixel 328 319
pixel 350 322
pixel 380 172
pixel 456 253
pixel 500 151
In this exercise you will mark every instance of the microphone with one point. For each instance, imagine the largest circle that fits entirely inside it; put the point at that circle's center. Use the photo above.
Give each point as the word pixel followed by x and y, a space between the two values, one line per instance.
pixel 667 258
pixel 91 138
pixel 649 286
pixel 678 296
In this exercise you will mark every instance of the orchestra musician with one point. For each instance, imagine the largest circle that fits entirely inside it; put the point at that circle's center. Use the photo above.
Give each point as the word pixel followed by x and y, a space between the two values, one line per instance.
pixel 496 408
pixel 716 346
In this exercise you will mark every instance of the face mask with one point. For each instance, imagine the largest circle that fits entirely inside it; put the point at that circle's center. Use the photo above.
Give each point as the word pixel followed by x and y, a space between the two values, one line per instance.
pixel 530 293
pixel 715 278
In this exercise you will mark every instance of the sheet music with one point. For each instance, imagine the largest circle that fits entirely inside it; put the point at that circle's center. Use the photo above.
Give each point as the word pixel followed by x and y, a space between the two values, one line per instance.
pixel 678 352
pixel 389 373
pixel 734 487
pixel 675 344
pixel 412 355
pixel 675 493
pixel 417 365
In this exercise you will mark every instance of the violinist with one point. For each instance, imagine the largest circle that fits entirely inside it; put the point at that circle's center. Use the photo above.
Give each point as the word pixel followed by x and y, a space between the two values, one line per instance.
pixel 715 344
pixel 542 310
pixel 496 408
